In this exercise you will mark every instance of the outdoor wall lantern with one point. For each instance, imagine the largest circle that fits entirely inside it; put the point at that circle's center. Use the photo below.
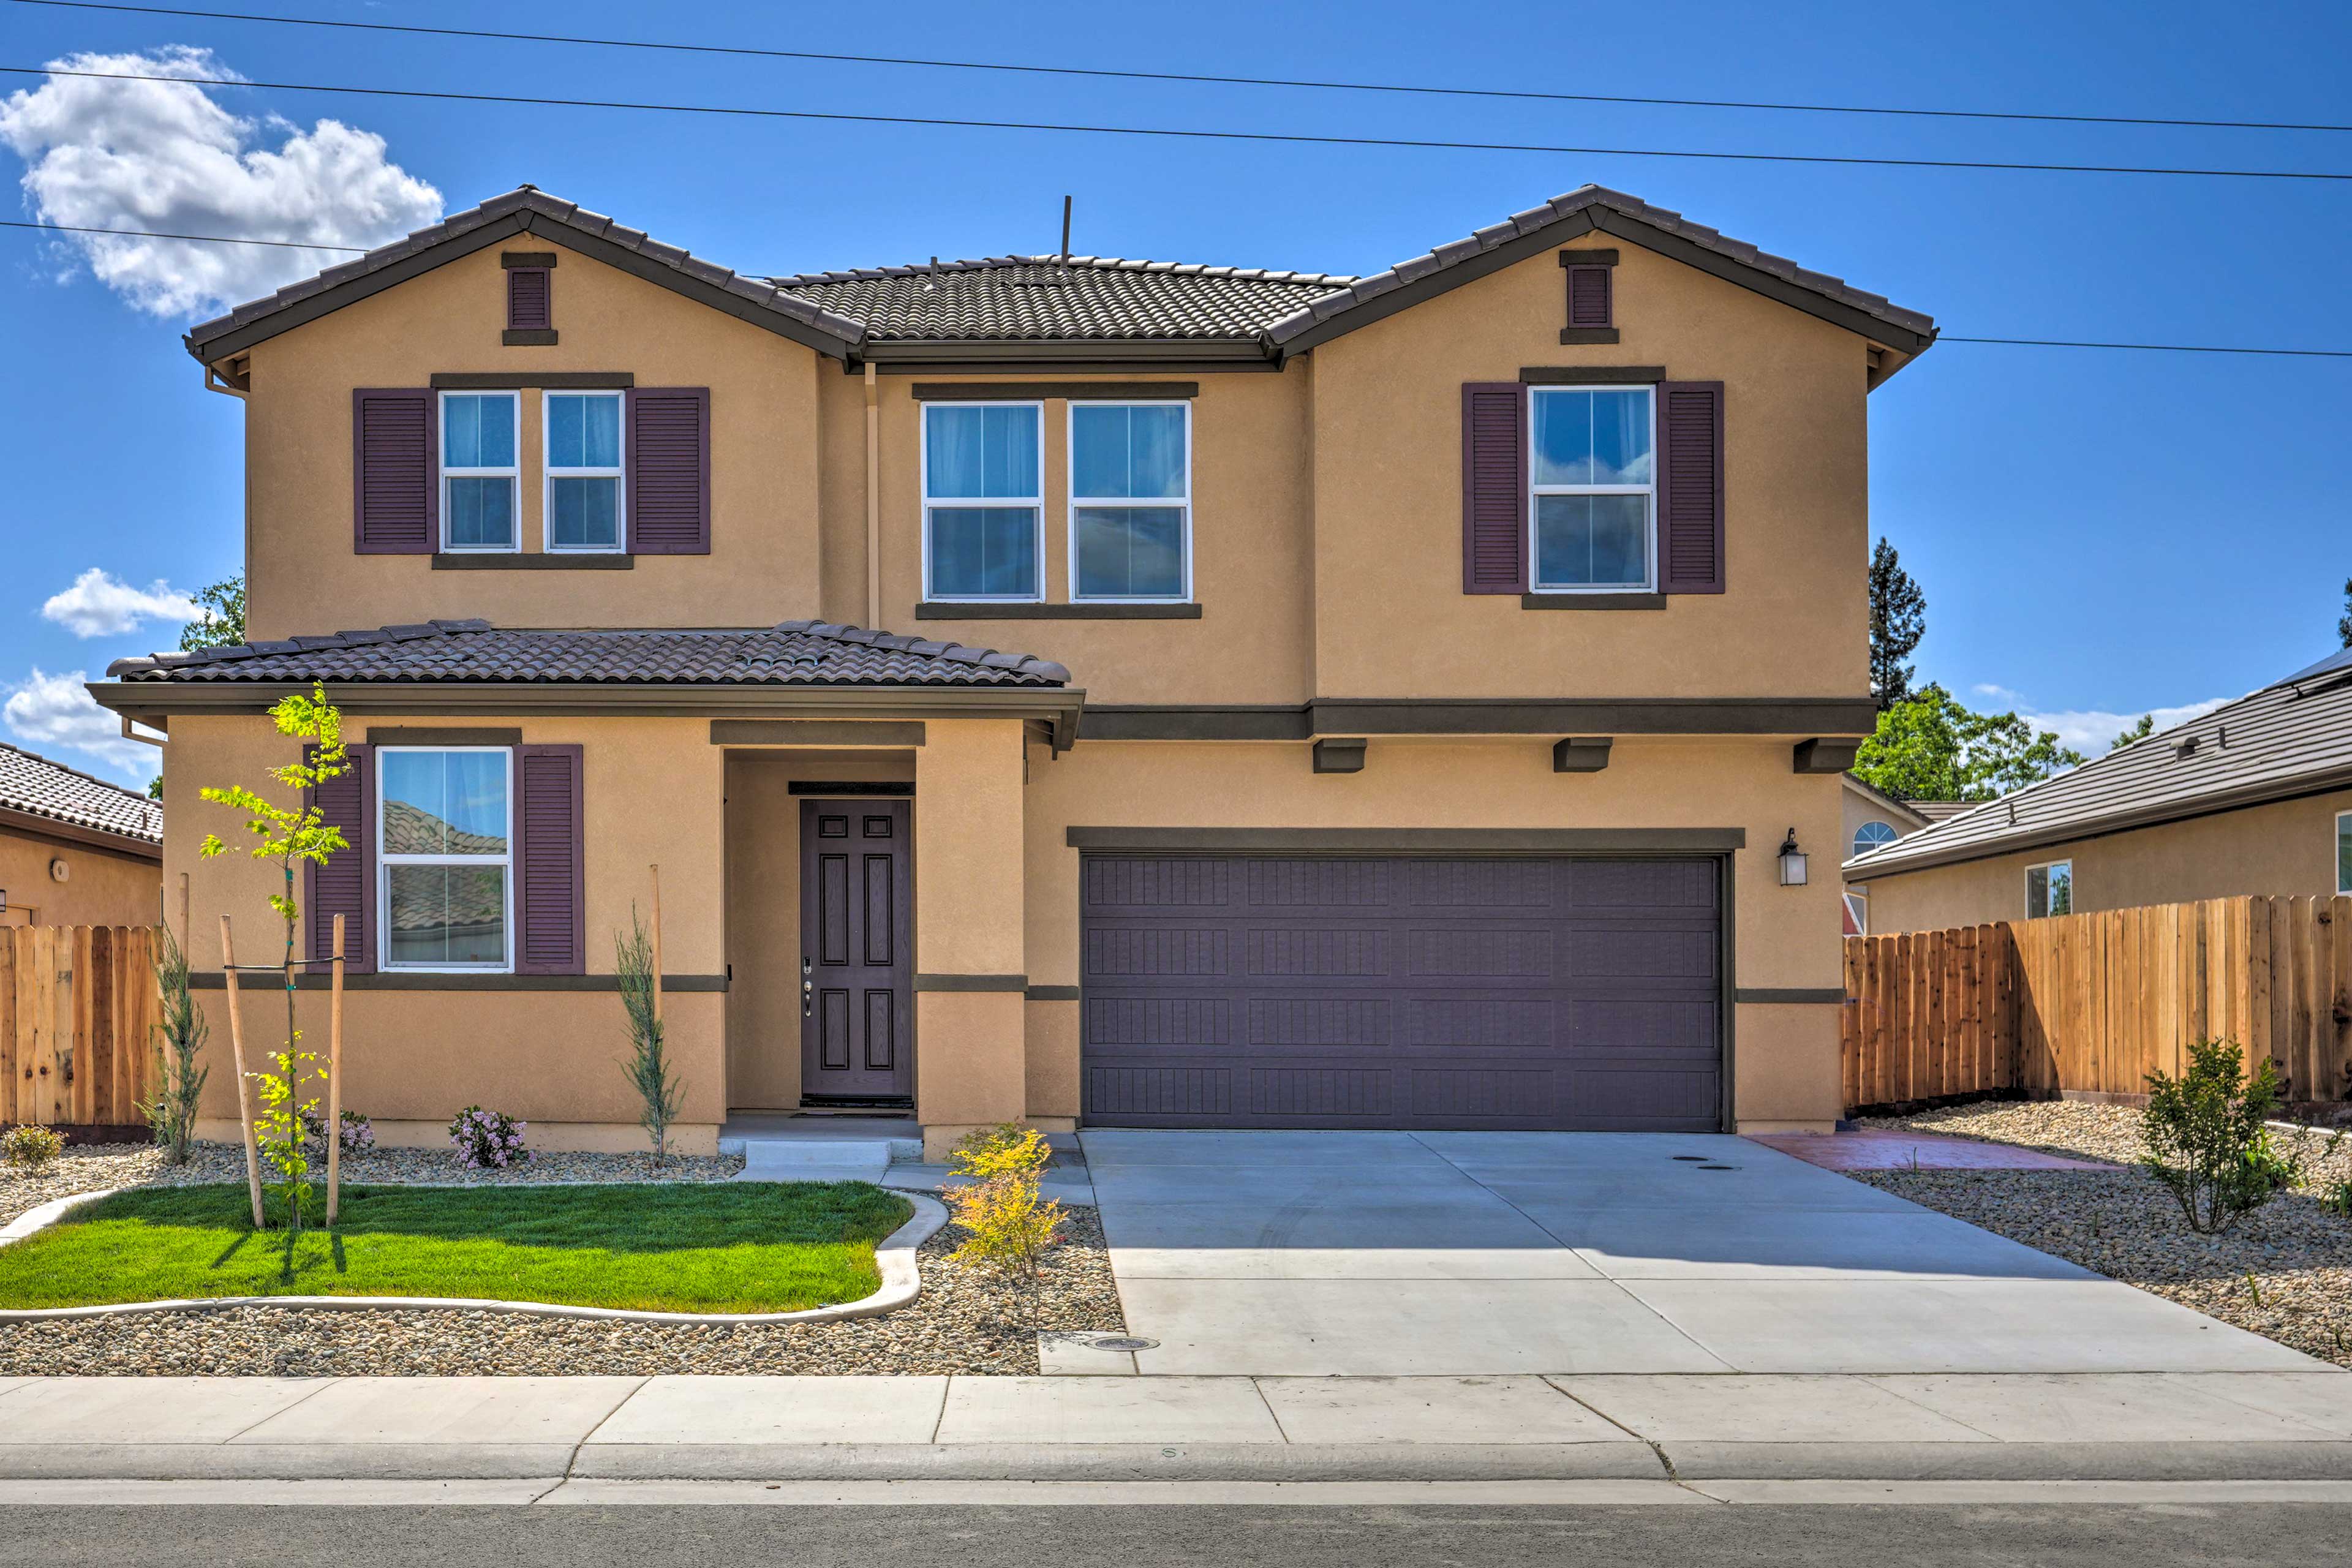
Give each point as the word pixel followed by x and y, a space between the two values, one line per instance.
pixel 1792 862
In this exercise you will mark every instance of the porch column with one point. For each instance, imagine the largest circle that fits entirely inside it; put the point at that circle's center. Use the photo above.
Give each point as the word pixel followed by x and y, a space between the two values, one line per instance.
pixel 970 1046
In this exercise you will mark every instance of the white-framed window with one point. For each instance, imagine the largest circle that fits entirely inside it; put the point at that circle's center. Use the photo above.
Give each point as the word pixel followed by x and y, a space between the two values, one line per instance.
pixel 1872 834
pixel 2344 852
pixel 445 837
pixel 1592 467
pixel 1131 501
pixel 983 505
pixel 583 506
pixel 2050 889
pixel 479 475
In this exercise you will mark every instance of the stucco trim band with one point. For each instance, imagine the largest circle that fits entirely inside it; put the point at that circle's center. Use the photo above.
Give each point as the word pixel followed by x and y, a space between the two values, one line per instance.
pixel 1484 716
pixel 972 983
pixel 945 610
pixel 1081 391
pixel 583 561
pixel 1806 995
pixel 1593 601
pixel 397 980
pixel 1591 374
pixel 416 735
pixel 816 732
pixel 1411 840
pixel 1053 994
pixel 894 1260
pixel 532 379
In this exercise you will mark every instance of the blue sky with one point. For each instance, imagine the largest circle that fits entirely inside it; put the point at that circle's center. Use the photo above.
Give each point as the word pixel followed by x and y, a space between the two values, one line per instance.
pixel 2098 533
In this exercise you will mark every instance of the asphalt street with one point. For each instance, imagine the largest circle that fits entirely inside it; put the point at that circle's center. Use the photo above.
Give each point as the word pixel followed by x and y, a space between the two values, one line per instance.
pixel 1979 1536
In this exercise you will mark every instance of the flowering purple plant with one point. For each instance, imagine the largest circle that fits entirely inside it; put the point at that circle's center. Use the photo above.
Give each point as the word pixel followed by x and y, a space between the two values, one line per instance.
pixel 359 1133
pixel 487 1140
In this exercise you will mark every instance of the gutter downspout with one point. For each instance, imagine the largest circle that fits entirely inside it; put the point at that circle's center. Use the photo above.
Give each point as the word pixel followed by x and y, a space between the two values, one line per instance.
pixel 873 498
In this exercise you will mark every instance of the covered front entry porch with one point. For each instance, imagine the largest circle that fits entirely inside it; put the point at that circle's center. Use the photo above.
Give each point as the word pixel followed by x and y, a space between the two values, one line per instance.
pixel 874 921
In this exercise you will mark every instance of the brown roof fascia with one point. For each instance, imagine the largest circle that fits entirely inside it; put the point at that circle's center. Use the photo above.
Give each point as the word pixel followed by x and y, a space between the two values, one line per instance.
pixel 31 824
pixel 1598 218
pixel 350 291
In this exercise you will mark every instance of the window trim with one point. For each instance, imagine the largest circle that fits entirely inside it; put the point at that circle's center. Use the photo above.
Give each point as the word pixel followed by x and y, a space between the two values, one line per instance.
pixel 2341 818
pixel 2047 865
pixel 385 861
pixel 512 475
pixel 1074 501
pixel 1857 909
pixel 1853 845
pixel 550 473
pixel 926 505
pixel 1535 491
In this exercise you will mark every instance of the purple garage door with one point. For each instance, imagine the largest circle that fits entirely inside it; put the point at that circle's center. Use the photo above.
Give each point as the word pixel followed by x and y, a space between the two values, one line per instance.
pixel 1245 991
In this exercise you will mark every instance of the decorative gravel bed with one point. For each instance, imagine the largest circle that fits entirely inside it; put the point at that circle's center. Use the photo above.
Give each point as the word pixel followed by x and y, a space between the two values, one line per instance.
pixel 2284 1272
pixel 966 1320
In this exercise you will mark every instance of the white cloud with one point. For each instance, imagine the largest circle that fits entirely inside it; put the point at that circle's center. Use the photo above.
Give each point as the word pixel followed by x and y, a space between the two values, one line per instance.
pixel 99 605
pixel 50 711
pixel 165 155
pixel 2091 731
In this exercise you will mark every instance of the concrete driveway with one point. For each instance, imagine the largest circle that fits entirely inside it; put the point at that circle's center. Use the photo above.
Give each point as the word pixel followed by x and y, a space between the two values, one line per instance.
pixel 1468 1253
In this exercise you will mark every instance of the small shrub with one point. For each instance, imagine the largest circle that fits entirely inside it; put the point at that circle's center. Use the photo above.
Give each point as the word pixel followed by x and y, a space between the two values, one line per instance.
pixel 659 1090
pixel 179 1041
pixel 2206 1140
pixel 1008 1226
pixel 31 1149
pixel 1007 1150
pixel 2337 1198
pixel 359 1133
pixel 487 1140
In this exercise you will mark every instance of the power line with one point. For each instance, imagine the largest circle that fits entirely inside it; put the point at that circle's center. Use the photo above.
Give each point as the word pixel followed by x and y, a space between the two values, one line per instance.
pixel 206 239
pixel 1260 136
pixel 1944 338
pixel 1199 77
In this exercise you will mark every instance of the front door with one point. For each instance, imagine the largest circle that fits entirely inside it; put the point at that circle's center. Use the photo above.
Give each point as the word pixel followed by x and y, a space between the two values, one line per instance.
pixel 857 960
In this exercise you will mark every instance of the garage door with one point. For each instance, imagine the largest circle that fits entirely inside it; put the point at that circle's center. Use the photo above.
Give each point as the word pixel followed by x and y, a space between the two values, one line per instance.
pixel 1400 992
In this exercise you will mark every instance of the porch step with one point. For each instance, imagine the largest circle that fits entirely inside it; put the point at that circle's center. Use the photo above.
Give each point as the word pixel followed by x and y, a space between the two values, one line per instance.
pixel 773 1159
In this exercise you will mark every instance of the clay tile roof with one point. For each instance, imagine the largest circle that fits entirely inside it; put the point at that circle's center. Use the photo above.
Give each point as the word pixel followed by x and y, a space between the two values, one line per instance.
pixel 795 652
pixel 36 786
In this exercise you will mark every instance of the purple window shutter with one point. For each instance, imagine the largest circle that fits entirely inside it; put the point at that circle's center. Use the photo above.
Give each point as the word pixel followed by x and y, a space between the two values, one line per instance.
pixel 669 471
pixel 1493 487
pixel 1589 302
pixel 345 885
pixel 395 472
pixel 551 890
pixel 530 305
pixel 1690 487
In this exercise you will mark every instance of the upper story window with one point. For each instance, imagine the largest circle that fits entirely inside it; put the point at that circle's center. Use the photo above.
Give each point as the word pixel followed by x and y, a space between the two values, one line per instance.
pixel 1122 454
pixel 1595 481
pixel 1873 833
pixel 983 508
pixel 445 883
pixel 2344 852
pixel 583 471
pixel 478 470
pixel 2050 889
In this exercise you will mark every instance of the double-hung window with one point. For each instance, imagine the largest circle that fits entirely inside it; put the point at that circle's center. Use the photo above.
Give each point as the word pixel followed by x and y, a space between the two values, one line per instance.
pixel 983 508
pixel 478 470
pixel 583 471
pixel 1130 500
pixel 1592 467
pixel 2050 889
pixel 444 897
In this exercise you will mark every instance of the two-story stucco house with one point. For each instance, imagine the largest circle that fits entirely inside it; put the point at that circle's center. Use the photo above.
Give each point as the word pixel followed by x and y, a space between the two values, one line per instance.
pixel 1427 671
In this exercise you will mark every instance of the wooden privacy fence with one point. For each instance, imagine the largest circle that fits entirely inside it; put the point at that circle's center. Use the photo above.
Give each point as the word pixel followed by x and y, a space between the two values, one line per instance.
pixel 2091 1003
pixel 77 1011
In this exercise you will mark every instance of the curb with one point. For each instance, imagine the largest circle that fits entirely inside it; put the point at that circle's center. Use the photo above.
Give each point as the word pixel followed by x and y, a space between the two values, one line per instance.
pixel 894 1260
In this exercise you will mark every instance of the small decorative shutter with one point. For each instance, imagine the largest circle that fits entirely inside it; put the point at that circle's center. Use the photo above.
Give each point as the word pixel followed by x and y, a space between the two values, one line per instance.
pixel 1493 487
pixel 345 885
pixel 669 471
pixel 550 892
pixel 529 298
pixel 395 472
pixel 1587 297
pixel 1690 487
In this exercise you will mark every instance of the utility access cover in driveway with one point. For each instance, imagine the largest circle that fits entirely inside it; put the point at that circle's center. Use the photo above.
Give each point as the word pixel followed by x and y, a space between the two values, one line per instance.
pixel 1362 992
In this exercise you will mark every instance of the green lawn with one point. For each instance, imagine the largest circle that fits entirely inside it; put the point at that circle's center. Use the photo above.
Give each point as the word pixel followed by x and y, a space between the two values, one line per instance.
pixel 733 1248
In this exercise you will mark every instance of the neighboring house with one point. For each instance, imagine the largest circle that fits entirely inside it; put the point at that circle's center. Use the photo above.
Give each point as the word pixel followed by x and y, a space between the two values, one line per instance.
pixel 2253 798
pixel 1873 819
pixel 1314 810
pixel 75 850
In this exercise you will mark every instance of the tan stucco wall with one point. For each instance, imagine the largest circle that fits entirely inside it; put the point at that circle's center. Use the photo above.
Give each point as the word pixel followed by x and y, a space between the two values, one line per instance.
pixel 1389 617
pixel 100 889
pixel 2286 848
pixel 763 565
pixel 1860 808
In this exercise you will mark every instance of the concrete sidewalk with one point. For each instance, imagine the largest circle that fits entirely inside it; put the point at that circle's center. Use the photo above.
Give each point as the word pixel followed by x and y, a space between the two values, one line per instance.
pixel 2279 1426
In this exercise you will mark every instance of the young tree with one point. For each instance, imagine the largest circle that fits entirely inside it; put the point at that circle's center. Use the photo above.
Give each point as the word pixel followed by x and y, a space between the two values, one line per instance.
pixel 1898 619
pixel 1931 747
pixel 221 617
pixel 289 836
pixel 659 1090
pixel 2140 731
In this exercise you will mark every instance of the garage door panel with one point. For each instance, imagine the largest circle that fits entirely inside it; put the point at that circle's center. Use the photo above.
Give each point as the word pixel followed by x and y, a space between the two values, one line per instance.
pixel 1400 992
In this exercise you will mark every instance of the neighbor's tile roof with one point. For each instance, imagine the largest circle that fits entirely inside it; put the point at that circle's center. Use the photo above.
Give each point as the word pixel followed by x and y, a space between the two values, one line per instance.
pixel 795 652
pixel 2293 738
pixel 38 787
pixel 1045 297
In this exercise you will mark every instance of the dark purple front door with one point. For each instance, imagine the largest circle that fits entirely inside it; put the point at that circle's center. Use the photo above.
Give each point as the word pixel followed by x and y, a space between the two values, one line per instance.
pixel 857 958
pixel 1238 991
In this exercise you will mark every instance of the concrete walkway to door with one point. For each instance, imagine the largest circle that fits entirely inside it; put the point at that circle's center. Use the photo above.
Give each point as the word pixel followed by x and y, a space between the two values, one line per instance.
pixel 1471 1253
